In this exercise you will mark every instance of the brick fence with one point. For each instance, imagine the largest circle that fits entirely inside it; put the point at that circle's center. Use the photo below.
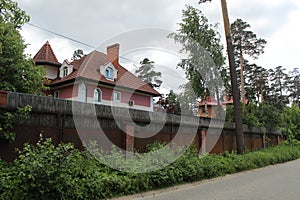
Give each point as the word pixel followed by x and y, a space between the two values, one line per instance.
pixel 67 121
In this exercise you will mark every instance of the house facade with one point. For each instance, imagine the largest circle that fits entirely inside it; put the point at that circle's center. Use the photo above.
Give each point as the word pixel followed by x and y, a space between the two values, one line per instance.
pixel 208 107
pixel 95 78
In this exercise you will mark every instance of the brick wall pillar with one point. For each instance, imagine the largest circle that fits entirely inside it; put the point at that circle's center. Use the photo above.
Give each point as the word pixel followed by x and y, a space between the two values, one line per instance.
pixel 278 139
pixel 203 133
pixel 3 98
pixel 129 140
pixel 264 140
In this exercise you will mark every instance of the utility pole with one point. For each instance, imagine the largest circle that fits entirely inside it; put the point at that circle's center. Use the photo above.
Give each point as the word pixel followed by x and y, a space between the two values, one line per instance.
pixel 234 85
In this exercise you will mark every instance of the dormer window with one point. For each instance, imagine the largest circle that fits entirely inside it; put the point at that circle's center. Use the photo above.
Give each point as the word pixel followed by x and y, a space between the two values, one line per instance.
pixel 65 72
pixel 109 73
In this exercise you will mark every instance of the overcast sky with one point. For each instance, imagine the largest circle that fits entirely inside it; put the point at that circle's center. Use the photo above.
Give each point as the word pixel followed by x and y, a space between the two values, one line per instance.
pixel 96 21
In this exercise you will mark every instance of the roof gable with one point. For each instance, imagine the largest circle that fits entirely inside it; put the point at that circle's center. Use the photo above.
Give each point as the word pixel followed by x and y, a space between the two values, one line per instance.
pixel 88 68
pixel 109 71
pixel 209 101
pixel 46 55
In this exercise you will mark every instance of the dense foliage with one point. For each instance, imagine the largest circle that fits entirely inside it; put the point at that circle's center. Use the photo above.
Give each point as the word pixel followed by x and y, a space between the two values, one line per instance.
pixel 8 120
pixel 292 117
pixel 11 13
pixel 169 104
pixel 245 42
pixel 262 115
pixel 63 172
pixel 268 116
pixel 147 73
pixel 204 63
pixel 17 71
pixel 275 86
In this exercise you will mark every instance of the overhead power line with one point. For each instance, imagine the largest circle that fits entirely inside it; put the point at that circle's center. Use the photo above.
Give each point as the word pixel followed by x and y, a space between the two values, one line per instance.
pixel 73 40
pixel 60 35
pixel 87 45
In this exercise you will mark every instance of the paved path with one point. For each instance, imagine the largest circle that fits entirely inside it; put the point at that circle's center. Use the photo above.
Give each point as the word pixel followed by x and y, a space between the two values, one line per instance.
pixel 279 182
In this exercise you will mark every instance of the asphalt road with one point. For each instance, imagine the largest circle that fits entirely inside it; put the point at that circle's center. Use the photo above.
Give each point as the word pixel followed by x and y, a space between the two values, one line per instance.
pixel 279 182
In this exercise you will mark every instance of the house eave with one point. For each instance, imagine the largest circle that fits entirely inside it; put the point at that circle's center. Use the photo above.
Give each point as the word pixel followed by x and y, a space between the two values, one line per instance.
pixel 102 83
pixel 48 63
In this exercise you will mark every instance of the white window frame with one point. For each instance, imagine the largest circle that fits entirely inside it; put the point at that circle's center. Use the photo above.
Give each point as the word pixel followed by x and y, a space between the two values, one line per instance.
pixel 117 96
pixel 65 71
pixel 97 95
pixel 109 73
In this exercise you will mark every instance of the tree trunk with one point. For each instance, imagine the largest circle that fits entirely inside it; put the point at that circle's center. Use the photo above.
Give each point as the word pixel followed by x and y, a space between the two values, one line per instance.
pixel 261 90
pixel 297 93
pixel 242 77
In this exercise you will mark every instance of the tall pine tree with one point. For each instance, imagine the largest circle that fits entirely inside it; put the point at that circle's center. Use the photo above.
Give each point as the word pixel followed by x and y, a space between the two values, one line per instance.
pixel 245 43
pixel 279 83
pixel 147 73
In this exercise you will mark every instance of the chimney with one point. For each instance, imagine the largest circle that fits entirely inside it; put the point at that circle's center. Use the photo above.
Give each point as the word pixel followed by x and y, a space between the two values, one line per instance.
pixel 113 53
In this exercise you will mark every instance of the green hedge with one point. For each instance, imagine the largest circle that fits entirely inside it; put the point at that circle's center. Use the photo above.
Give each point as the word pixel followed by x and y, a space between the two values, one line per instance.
pixel 63 172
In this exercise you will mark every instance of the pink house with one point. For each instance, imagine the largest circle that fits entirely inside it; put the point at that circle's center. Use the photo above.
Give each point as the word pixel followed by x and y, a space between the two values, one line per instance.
pixel 95 78
pixel 208 107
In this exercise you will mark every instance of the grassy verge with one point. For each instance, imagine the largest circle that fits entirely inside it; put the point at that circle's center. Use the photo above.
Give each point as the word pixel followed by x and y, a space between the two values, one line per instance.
pixel 48 172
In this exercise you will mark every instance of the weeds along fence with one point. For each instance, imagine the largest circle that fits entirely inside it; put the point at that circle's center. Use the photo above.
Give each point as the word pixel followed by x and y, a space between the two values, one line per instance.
pixel 79 123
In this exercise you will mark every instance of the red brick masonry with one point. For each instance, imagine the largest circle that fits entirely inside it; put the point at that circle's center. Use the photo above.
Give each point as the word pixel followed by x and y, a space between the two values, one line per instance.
pixel 3 98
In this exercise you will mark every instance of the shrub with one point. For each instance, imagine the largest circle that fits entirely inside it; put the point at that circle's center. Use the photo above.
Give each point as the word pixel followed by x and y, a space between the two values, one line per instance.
pixel 45 171
pixel 7 123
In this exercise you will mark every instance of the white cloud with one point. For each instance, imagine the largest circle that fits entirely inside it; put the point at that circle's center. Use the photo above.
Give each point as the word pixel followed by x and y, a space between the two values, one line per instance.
pixel 283 46
pixel 35 39
pixel 95 21
pixel 164 62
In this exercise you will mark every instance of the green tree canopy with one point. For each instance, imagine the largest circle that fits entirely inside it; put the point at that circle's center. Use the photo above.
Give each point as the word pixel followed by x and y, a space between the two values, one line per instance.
pixel 262 115
pixel 170 103
pixel 11 13
pixel 279 82
pixel 293 121
pixel 17 71
pixel 201 41
pixel 245 42
pixel 147 73
pixel 256 83
pixel 294 86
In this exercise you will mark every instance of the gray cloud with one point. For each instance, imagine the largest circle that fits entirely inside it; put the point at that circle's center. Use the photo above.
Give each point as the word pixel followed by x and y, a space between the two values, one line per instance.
pixel 95 21
pixel 266 18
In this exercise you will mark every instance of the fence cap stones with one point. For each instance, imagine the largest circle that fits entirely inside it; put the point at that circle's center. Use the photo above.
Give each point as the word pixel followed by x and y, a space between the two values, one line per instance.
pixel 12 100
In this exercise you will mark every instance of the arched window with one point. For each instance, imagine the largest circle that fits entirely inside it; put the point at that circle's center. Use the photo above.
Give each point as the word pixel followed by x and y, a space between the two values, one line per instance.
pixel 56 94
pixel 97 95
pixel 109 73
pixel 65 72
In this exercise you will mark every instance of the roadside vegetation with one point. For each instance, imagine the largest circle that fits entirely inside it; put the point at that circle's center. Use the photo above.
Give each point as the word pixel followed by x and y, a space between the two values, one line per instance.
pixel 44 171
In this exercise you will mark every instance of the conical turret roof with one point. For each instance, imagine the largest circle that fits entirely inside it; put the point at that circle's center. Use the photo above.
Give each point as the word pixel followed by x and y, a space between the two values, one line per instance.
pixel 46 55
